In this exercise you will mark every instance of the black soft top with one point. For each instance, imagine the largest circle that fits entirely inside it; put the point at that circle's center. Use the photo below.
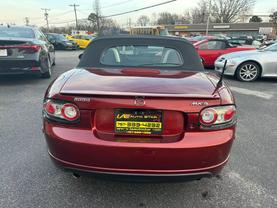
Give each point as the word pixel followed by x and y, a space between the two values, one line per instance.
pixel 92 55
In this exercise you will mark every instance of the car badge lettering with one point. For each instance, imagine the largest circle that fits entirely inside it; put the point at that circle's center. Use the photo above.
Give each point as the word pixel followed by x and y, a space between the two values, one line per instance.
pixel 81 99
pixel 196 103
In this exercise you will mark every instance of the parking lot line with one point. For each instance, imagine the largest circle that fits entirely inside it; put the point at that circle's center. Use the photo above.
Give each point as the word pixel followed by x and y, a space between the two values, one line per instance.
pixel 252 92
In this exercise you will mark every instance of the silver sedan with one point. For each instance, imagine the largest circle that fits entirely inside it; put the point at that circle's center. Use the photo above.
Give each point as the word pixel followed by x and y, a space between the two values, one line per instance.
pixel 250 65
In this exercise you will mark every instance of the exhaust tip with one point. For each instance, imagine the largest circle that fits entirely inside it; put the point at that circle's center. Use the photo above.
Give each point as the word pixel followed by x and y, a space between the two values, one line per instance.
pixel 76 175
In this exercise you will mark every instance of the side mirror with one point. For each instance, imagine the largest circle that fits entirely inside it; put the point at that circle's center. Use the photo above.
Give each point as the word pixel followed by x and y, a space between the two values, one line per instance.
pixel 80 56
pixel 202 60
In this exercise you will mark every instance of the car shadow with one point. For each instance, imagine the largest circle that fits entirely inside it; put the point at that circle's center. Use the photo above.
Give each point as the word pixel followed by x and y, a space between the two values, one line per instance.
pixel 143 193
pixel 6 80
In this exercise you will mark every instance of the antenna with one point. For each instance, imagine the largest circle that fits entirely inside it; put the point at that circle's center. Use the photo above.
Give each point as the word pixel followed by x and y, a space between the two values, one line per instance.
pixel 222 74
pixel 219 84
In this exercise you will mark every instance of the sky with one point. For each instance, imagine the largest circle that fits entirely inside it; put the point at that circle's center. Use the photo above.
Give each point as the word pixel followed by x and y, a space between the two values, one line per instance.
pixel 14 11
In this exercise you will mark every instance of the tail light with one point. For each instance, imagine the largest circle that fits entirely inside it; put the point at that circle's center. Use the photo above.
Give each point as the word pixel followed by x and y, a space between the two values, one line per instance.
pixel 60 111
pixel 30 48
pixel 27 48
pixel 218 117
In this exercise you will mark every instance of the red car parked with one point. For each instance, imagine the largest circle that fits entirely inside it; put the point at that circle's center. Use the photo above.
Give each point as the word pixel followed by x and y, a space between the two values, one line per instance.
pixel 210 49
pixel 140 106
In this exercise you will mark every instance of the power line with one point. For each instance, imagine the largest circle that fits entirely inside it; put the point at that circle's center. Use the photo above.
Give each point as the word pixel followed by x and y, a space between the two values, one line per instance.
pixel 46 16
pixel 143 8
pixel 116 4
pixel 56 15
pixel 110 5
pixel 76 19
pixel 57 23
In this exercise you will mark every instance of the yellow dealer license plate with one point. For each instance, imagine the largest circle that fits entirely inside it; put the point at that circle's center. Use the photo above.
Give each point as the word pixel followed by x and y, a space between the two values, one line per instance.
pixel 133 121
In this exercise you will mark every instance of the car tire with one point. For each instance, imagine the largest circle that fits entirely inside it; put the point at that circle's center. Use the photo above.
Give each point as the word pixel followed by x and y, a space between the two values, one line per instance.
pixel 48 73
pixel 248 72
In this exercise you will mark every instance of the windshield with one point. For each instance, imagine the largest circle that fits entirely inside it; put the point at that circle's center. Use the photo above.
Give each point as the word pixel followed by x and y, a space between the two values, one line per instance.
pixel 199 38
pixel 271 48
pixel 15 32
pixel 60 38
pixel 138 55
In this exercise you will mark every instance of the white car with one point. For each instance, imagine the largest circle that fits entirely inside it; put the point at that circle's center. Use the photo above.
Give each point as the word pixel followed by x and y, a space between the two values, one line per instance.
pixel 250 65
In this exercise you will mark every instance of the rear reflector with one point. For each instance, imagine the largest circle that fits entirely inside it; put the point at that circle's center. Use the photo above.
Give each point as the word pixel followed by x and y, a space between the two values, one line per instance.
pixel 35 68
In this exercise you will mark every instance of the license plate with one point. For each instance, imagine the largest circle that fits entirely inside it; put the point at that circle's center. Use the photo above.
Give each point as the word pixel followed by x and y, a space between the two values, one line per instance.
pixel 3 52
pixel 131 121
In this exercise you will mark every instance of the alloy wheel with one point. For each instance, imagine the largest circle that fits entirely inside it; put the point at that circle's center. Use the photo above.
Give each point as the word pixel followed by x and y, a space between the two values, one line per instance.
pixel 248 72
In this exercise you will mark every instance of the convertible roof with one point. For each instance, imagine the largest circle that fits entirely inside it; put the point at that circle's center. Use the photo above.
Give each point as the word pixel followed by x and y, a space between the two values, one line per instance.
pixel 143 37
pixel 93 53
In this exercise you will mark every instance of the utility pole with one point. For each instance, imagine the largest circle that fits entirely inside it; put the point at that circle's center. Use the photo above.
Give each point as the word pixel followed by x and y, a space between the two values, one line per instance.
pixel 208 19
pixel 97 11
pixel 76 19
pixel 46 17
pixel 27 21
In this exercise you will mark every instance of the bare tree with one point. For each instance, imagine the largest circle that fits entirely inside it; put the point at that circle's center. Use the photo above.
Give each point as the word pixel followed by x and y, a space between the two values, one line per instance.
pixel 166 18
pixel 273 17
pixel 154 19
pixel 228 11
pixel 222 11
pixel 143 20
pixel 187 19
pixel 198 14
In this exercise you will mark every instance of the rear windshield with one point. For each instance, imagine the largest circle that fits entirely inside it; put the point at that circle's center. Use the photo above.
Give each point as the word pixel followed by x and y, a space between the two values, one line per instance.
pixel 12 32
pixel 57 37
pixel 141 55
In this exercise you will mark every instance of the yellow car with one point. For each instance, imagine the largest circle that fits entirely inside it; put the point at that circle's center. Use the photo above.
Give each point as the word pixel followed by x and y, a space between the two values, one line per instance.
pixel 82 40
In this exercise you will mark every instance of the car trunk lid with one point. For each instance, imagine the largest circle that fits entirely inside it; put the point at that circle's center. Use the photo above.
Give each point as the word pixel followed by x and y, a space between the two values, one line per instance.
pixel 140 82
pixel 11 48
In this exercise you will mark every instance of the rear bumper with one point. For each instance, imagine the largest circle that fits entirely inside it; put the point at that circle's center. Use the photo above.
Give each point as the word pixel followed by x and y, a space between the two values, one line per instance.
pixel 196 154
pixel 10 67
pixel 67 47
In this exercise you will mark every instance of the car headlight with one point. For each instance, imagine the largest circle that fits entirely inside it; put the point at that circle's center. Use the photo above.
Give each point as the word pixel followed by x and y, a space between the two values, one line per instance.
pixel 221 59
pixel 231 62
pixel 68 43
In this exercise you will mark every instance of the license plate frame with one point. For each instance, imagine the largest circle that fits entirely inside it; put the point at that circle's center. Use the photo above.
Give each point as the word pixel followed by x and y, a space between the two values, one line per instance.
pixel 3 52
pixel 138 121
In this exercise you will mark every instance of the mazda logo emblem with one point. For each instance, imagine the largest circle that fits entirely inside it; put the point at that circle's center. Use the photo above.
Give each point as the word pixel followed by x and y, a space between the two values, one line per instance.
pixel 139 101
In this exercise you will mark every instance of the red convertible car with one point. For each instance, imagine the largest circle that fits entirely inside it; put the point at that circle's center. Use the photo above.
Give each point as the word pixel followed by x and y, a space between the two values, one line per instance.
pixel 140 106
pixel 210 49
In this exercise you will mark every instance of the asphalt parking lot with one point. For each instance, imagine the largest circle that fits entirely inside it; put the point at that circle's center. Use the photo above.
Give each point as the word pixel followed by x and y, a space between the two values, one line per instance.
pixel 29 179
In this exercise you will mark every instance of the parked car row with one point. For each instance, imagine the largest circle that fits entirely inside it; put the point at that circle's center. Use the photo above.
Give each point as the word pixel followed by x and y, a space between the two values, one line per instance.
pixel 247 60
pixel 250 65
pixel 210 49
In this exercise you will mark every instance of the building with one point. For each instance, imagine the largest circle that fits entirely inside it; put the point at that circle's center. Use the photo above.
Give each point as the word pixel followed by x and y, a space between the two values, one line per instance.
pixel 229 29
